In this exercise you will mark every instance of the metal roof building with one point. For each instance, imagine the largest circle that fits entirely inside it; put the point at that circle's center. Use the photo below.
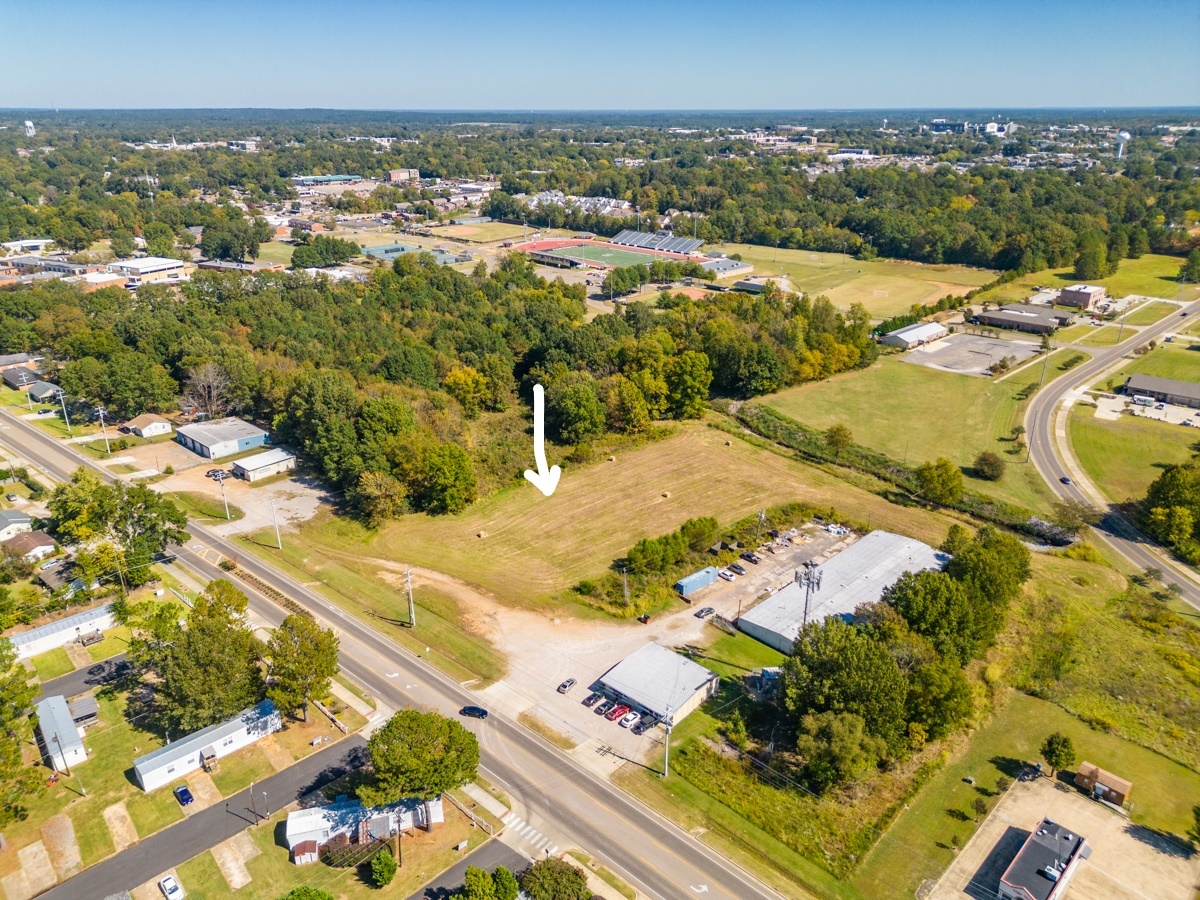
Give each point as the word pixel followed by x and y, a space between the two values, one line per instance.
pixel 220 437
pixel 723 267
pixel 858 574
pixel 60 633
pixel 58 736
pixel 661 682
pixel 1168 390
pixel 914 335
pixel 265 464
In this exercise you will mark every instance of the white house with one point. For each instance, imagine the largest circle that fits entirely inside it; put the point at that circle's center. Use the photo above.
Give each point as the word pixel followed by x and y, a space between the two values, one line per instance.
pixel 310 830
pixel 63 632
pixel 148 425
pixel 58 736
pixel 203 747
pixel 31 546
pixel 13 522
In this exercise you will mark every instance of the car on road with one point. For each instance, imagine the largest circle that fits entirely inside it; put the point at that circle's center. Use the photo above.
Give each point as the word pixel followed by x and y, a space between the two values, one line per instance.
pixel 171 889
pixel 725 576
pixel 473 712
pixel 603 708
pixel 616 712
pixel 738 567
pixel 1184 313
pixel 566 685
pixel 1065 480
pixel 183 795
pixel 592 699
pixel 705 613
pixel 630 719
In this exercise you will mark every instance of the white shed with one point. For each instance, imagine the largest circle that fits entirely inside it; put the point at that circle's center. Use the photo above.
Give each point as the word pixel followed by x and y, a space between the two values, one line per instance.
pixel 264 465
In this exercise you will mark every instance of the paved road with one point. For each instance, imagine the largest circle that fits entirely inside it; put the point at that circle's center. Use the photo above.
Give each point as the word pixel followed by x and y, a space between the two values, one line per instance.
pixel 195 834
pixel 74 683
pixel 551 791
pixel 490 855
pixel 1040 417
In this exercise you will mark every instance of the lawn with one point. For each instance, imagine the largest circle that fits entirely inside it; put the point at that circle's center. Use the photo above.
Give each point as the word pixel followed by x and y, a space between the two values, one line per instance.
pixel 1152 275
pixel 1107 336
pixel 915 413
pixel 1150 313
pixel 1178 361
pixel 52 664
pixel 201 506
pixel 275 252
pixel 887 287
pixel 1124 456
pixel 1073 333
pixel 116 640
pixel 239 768
pixel 481 232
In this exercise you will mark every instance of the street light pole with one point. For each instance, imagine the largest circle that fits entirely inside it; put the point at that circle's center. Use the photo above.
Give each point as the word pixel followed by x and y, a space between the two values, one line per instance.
pixel 275 521
pixel 667 747
pixel 221 482
pixel 100 411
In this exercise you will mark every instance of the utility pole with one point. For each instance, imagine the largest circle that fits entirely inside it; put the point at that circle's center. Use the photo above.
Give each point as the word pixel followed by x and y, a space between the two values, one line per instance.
pixel 62 753
pixel 275 521
pixel 100 411
pixel 1046 361
pixel 221 481
pixel 1124 313
pixel 412 607
pixel 667 747
pixel 625 583
pixel 253 805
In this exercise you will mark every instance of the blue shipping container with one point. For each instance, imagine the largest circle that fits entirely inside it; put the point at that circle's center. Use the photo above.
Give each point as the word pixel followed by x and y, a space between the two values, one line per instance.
pixel 690 583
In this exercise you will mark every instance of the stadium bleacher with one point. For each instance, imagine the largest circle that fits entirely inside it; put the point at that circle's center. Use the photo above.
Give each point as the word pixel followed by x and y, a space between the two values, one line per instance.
pixel 659 240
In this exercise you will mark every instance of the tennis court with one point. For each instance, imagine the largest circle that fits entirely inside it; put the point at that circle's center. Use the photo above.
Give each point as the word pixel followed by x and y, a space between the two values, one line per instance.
pixel 603 254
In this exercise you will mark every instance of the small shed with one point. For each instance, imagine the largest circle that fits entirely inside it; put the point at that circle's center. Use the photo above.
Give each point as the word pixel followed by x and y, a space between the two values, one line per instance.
pixel 85 711
pixel 689 584
pixel 1102 785
pixel 57 734
pixel 264 465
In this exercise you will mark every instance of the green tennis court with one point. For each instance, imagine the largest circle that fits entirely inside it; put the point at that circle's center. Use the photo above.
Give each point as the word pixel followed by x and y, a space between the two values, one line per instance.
pixel 604 254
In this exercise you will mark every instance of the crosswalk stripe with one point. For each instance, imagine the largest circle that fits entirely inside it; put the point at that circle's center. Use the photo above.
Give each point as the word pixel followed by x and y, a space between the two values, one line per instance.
pixel 554 849
pixel 542 843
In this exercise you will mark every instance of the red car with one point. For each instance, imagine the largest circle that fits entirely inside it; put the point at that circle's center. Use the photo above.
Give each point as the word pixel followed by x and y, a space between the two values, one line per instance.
pixel 616 712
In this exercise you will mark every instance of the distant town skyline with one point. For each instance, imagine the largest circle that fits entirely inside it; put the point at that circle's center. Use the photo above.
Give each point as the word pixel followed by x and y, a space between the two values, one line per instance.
pixel 763 54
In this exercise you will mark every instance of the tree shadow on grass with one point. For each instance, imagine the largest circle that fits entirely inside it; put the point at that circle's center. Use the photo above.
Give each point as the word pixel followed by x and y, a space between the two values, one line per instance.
pixel 1162 841
pixel 1008 765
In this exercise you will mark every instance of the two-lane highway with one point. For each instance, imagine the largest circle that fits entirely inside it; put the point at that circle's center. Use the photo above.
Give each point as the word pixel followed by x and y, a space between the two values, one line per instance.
pixel 647 850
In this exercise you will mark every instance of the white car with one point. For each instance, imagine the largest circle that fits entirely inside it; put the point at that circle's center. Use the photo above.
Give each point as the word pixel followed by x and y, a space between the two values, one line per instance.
pixel 727 576
pixel 630 719
pixel 171 889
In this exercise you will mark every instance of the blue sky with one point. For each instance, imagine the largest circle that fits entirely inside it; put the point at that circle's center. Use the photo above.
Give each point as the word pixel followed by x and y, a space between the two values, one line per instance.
pixel 458 54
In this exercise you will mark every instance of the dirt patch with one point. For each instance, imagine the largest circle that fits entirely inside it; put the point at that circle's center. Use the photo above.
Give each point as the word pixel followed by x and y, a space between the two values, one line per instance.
pixel 58 837
pixel 231 864
pixel 203 790
pixel 38 869
pixel 276 754
pixel 120 826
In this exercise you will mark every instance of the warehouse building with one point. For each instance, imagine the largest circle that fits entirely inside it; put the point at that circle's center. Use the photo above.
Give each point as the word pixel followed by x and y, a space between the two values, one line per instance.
pixel 19 379
pixel 151 269
pixel 660 682
pixel 915 335
pixel 221 437
pixel 1163 390
pixel 724 267
pixel 264 465
pixel 204 747
pixel 858 574
pixel 58 736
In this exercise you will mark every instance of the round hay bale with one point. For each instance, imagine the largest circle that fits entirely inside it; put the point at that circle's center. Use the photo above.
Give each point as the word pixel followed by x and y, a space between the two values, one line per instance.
pixel 729 443
pixel 481 534
pixel 612 459
pixel 666 493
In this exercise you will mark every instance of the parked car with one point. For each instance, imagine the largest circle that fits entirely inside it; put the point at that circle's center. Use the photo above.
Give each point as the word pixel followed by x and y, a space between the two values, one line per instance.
pixel 750 557
pixel 46 412
pixel 616 712
pixel 170 888
pixel 213 473
pixel 473 712
pixel 592 699
pixel 12 498
pixel 183 795
pixel 630 719
pixel 643 725
pixel 705 613
pixel 1065 480
pixel 566 685
pixel 727 576
pixel 738 567
pixel 603 708
pixel 1160 406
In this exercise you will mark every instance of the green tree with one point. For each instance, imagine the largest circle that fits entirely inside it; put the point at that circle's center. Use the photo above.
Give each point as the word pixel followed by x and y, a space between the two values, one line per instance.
pixel 626 408
pixel 19 784
pixel 379 497
pixel 469 388
pixel 505 883
pixel 1189 273
pixel 574 412
pixel 939 698
pixel 836 749
pixel 410 364
pixel 688 377
pixel 477 885
pixel 1194 831
pixel 839 439
pixel 418 754
pixel 941 609
pixel 834 667
pixel 1172 526
pixel 121 243
pixel 1092 261
pixel 1074 516
pixel 989 465
pixel 940 481
pixel 555 879
pixel 1058 751
pixel 981 808
pixel 443 481
pixel 160 240
pixel 304 659
pixel 383 868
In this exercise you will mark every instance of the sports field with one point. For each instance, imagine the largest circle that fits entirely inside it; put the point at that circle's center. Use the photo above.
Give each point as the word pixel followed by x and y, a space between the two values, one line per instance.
pixel 886 287
pixel 921 414
pixel 483 232
pixel 605 254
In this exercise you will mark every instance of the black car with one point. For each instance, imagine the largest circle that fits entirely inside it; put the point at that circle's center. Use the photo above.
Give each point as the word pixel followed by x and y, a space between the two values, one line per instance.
pixel 183 795
pixel 738 567
pixel 644 724
pixel 1065 480
pixel 473 712
pixel 604 707
pixel 592 699
pixel 750 557
pixel 213 473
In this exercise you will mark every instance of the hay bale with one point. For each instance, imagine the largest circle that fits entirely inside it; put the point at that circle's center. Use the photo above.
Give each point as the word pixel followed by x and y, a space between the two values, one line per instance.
pixel 612 459
pixel 729 443
pixel 666 493
pixel 481 534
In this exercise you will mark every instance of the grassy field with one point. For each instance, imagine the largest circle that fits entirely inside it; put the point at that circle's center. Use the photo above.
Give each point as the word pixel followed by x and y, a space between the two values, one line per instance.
pixel 917 413
pixel 1106 336
pixel 116 640
pixel 52 664
pixel 599 511
pixel 201 506
pixel 241 767
pixel 1152 275
pixel 481 232
pixel 1073 333
pixel 1177 361
pixel 275 252
pixel 604 253
pixel 1150 313
pixel 1124 456
pixel 886 287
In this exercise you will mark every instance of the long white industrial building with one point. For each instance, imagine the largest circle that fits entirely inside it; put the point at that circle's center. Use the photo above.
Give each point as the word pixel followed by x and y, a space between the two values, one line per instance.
pixel 859 574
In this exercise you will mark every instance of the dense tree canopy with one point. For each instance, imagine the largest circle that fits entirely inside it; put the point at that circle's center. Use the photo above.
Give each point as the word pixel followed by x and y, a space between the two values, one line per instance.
pixel 418 754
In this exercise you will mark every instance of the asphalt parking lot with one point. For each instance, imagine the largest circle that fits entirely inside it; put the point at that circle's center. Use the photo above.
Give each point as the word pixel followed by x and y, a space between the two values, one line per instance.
pixel 969 354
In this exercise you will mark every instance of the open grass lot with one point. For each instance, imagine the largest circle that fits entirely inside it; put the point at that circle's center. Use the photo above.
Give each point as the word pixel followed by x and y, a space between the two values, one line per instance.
pixel 846 280
pixel 241 767
pixel 1073 333
pixel 919 413
pixel 1106 336
pixel 273 875
pixel 1150 313
pixel 1153 275
pixel 1177 361
pixel 534 546
pixel 116 640
pixel 275 252
pixel 1123 457
pixel 52 664
pixel 481 232
pixel 202 506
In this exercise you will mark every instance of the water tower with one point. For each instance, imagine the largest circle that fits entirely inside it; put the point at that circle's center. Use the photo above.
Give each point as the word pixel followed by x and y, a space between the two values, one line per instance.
pixel 30 131
pixel 1122 137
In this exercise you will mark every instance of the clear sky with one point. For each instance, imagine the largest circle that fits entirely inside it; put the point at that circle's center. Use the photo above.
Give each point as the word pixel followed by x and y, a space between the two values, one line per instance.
pixel 613 54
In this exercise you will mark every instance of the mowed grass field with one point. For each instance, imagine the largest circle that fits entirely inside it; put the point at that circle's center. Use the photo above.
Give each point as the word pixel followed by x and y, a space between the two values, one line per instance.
pixel 886 287
pixel 606 254
pixel 1150 313
pixel 534 547
pixel 1172 360
pixel 1153 275
pixel 918 413
pixel 1124 456
pixel 482 232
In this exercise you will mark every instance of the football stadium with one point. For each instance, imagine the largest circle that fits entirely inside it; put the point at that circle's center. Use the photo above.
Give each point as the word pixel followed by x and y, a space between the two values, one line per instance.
pixel 627 248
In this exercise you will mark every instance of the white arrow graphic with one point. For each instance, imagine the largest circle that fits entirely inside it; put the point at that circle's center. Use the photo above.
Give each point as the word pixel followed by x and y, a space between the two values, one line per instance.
pixel 545 480
pixel 702 889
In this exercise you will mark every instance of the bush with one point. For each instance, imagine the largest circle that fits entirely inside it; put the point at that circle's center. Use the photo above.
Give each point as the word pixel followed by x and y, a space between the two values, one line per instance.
pixel 168 470
pixel 383 868
pixel 989 466
pixel 555 879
